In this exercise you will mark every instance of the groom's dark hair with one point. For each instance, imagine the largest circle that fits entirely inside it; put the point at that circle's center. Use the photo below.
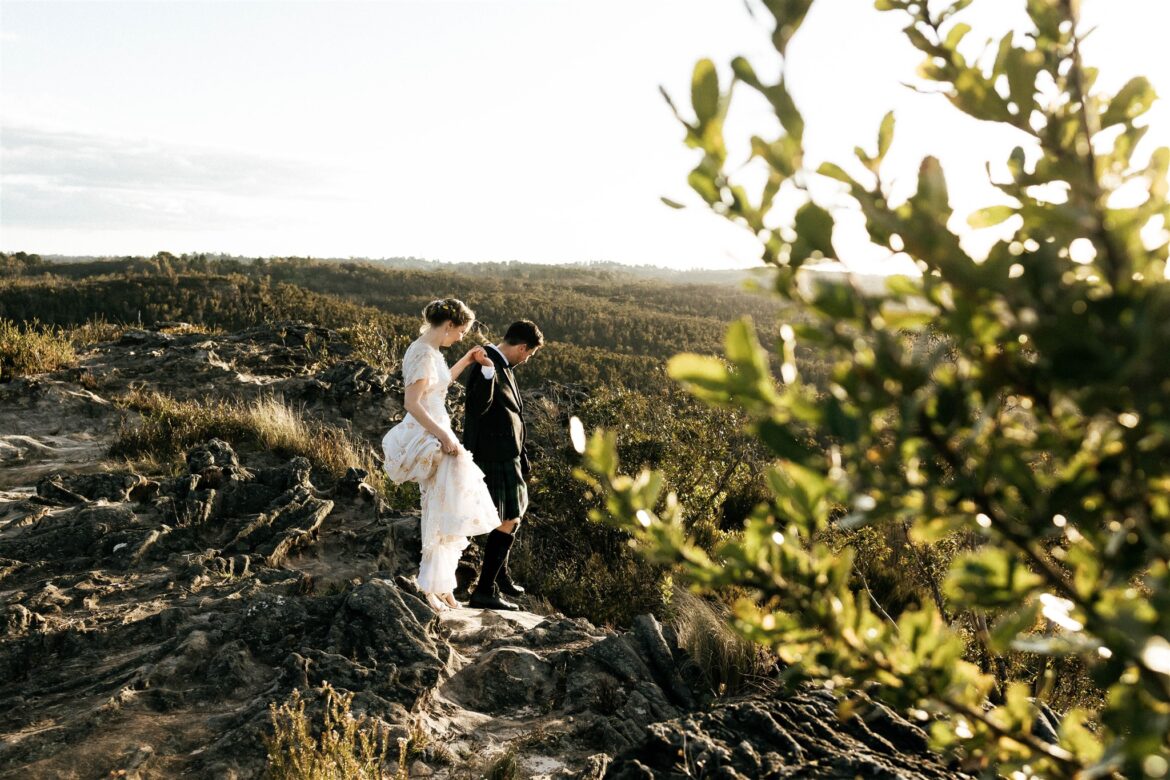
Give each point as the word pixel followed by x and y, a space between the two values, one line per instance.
pixel 524 332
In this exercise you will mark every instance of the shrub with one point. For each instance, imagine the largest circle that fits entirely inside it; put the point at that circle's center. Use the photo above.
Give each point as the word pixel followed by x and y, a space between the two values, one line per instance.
pixel 1034 426
pixel 506 767
pixel 376 342
pixel 589 570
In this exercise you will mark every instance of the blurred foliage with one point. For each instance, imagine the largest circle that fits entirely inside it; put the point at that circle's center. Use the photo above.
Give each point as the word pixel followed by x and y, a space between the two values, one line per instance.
pixel 1029 435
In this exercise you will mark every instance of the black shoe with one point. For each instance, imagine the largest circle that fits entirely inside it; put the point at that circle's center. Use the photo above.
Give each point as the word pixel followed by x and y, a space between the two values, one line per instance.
pixel 507 587
pixel 490 601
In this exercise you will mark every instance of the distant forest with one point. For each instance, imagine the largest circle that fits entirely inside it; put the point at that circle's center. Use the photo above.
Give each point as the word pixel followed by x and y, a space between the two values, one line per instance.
pixel 604 324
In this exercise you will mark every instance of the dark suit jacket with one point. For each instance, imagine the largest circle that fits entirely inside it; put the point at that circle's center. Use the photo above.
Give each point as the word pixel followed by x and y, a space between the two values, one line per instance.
pixel 493 414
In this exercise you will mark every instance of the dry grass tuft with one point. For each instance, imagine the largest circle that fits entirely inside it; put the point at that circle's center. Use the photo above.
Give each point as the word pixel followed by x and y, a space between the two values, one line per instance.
pixel 28 348
pixel 506 767
pixel 169 427
pixel 96 330
pixel 731 664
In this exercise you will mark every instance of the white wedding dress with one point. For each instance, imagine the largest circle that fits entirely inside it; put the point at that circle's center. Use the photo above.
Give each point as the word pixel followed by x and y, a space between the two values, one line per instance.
pixel 455 501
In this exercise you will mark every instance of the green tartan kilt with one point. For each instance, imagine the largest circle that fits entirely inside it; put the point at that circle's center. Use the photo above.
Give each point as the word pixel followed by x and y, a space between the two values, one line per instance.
pixel 506 485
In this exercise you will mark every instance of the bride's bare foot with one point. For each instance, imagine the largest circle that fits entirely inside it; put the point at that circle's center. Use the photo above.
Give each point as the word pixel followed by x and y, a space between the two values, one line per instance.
pixel 450 601
pixel 437 602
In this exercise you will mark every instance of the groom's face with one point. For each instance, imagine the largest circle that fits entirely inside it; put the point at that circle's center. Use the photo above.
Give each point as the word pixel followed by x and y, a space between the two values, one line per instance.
pixel 524 352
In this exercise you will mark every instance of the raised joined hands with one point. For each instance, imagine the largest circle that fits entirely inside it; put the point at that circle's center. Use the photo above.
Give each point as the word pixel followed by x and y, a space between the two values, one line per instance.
pixel 479 355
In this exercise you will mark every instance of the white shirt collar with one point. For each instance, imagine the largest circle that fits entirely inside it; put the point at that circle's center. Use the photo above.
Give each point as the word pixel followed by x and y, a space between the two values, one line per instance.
pixel 501 354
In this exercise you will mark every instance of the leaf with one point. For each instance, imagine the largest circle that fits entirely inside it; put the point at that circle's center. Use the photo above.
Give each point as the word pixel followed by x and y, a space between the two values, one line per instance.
pixel 954 8
pixel 1005 48
pixel 956 35
pixel 989 578
pixel 784 442
pixel 936 528
pixel 1021 68
pixel 752 379
pixel 815 226
pixel 834 171
pixel 706 376
pixel 705 91
pixel 704 185
pixel 789 15
pixel 786 110
pixel 835 299
pixel 1018 706
pixel 990 216
pixel 744 71
pixel 742 346
pixel 1078 738
pixel 806 486
pixel 1131 101
pixel 902 285
pixel 907 319
pixel 601 452
pixel 885 135
pixel 932 186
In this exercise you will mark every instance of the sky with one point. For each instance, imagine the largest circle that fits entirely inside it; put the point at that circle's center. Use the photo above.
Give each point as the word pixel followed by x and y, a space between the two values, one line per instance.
pixel 494 130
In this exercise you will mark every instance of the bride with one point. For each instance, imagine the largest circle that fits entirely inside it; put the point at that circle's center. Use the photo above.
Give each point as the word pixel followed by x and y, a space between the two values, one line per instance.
pixel 423 449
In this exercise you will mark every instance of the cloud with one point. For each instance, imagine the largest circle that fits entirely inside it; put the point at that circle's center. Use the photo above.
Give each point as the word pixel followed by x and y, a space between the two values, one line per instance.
pixel 68 179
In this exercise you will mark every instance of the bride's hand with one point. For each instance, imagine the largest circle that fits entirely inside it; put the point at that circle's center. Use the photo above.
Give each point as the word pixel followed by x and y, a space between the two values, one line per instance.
pixel 449 444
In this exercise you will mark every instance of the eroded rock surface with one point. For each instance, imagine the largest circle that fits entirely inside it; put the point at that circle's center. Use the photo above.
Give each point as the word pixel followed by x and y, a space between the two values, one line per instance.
pixel 172 616
pixel 782 737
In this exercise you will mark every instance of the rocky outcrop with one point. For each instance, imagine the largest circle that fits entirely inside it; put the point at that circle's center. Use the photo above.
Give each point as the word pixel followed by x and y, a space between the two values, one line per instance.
pixel 133 603
pixel 127 598
pixel 149 621
pixel 783 737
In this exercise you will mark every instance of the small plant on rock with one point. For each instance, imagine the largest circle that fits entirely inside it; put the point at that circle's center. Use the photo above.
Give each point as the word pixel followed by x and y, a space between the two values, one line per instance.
pixel 345 747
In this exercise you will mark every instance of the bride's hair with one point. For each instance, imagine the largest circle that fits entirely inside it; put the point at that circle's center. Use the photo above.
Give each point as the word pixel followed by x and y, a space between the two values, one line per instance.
pixel 443 310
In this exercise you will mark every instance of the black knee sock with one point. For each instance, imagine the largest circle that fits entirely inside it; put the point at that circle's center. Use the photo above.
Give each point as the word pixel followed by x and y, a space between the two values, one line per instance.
pixel 493 559
pixel 508 542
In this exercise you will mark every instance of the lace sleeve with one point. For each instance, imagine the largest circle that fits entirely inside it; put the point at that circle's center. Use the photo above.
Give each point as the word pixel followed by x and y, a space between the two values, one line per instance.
pixel 418 364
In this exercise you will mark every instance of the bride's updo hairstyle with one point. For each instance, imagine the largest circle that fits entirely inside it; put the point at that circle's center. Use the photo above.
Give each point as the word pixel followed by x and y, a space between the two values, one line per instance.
pixel 445 310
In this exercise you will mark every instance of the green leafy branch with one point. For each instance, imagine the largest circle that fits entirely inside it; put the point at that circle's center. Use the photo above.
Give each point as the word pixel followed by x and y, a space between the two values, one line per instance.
pixel 1016 401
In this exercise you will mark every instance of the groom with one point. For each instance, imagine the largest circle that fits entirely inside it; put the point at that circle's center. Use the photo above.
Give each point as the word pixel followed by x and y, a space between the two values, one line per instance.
pixel 493 431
